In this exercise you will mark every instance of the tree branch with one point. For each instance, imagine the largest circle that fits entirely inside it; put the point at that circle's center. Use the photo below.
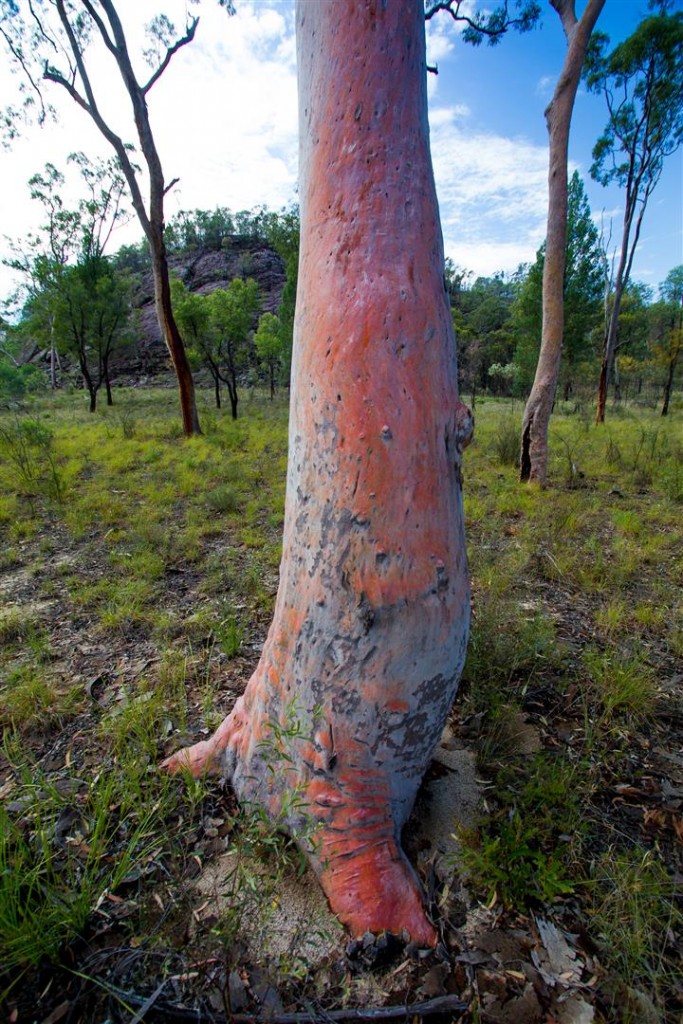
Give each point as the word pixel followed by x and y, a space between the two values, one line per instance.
pixel 104 32
pixel 493 25
pixel 170 52
pixel 19 57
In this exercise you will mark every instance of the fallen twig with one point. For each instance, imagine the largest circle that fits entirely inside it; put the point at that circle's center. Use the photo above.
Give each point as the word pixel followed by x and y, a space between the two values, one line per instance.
pixel 439 1004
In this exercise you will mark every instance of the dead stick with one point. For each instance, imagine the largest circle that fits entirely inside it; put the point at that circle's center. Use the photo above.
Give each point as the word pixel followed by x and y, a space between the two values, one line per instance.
pixel 440 1004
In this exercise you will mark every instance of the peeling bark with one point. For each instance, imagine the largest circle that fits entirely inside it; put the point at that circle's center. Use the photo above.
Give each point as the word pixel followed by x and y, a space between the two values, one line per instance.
pixel 362 661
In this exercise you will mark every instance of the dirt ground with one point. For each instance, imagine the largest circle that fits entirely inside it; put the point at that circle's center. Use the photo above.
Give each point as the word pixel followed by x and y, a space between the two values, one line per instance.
pixel 154 950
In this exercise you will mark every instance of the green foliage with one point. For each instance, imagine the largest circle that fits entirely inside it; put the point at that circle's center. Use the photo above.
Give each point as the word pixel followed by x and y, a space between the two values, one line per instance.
pixel 63 853
pixel 523 853
pixel 583 287
pixel 217 327
pixel 18 381
pixel 490 25
pixel 270 347
pixel 506 441
pixel 483 329
pixel 633 916
pixel 92 317
pixel 28 445
pixel 576 605
pixel 642 80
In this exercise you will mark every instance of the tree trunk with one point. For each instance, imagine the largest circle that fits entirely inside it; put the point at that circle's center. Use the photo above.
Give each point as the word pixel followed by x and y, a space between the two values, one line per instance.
pixel 534 446
pixel 53 356
pixel 107 384
pixel 171 334
pixel 668 386
pixel 626 254
pixel 341 717
pixel 217 390
pixel 231 385
pixel 616 379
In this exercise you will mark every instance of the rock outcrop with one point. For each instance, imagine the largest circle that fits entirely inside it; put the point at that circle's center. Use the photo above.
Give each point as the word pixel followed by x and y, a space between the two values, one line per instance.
pixel 203 271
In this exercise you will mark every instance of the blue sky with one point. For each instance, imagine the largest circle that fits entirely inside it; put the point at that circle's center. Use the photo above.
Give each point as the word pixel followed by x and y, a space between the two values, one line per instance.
pixel 225 118
pixel 504 91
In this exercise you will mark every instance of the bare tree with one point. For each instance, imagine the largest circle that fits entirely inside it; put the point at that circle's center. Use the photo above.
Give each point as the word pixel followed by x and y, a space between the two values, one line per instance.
pixel 57 34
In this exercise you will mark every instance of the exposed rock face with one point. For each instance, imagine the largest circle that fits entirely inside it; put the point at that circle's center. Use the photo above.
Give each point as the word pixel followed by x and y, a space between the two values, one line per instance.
pixel 203 271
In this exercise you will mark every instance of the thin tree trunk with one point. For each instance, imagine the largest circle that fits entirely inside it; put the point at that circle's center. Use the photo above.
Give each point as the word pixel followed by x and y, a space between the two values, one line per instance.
pixel 668 386
pixel 231 384
pixel 53 356
pixel 628 248
pixel 171 334
pixel 107 382
pixel 536 420
pixel 616 379
pixel 341 717
pixel 152 221
pixel 217 390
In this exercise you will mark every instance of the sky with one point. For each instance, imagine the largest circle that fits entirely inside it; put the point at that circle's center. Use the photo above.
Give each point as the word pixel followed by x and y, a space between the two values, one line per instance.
pixel 224 116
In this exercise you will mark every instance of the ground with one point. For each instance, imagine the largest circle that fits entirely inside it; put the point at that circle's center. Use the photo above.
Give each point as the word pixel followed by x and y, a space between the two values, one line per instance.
pixel 137 574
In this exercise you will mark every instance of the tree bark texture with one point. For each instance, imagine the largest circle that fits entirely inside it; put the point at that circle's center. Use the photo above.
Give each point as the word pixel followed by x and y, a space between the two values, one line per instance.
pixel 362 661
pixel 539 406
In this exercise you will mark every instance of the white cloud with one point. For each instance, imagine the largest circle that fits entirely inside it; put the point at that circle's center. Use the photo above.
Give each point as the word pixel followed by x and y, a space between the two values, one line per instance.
pixel 224 116
pixel 545 85
pixel 492 194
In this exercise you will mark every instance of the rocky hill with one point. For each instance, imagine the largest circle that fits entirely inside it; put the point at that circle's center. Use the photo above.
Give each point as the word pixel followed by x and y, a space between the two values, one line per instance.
pixel 203 271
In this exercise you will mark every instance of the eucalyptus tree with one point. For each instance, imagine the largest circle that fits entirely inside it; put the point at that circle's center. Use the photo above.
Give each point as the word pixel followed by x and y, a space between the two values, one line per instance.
pixel 50 42
pixel 41 258
pixel 92 318
pixel 489 24
pixel 218 326
pixel 582 296
pixel 341 717
pixel 232 312
pixel 270 347
pixel 642 82
pixel 668 342
pixel 533 463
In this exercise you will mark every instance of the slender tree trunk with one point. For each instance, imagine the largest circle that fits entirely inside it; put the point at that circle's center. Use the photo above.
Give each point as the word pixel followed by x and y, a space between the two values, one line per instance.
pixel 628 248
pixel 171 334
pixel 217 389
pixel 363 658
pixel 231 384
pixel 538 410
pixel 107 383
pixel 53 356
pixel 616 379
pixel 668 386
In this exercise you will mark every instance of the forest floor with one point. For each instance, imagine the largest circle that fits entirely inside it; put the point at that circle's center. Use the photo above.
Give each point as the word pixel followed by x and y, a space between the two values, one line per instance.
pixel 137 578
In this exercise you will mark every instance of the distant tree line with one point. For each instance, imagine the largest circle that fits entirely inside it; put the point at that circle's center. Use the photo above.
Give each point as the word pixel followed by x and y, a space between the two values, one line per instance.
pixel 498 323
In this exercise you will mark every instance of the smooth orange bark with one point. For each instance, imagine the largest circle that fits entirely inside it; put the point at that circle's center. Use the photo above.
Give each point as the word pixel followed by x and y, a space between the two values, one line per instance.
pixel 365 651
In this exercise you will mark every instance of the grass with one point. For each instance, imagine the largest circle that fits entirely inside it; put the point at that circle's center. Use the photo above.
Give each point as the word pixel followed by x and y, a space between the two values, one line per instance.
pixel 140 587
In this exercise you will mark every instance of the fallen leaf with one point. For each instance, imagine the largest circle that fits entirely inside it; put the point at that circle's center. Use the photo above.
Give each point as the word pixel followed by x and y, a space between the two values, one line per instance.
pixel 57 1014
pixel 575 1010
